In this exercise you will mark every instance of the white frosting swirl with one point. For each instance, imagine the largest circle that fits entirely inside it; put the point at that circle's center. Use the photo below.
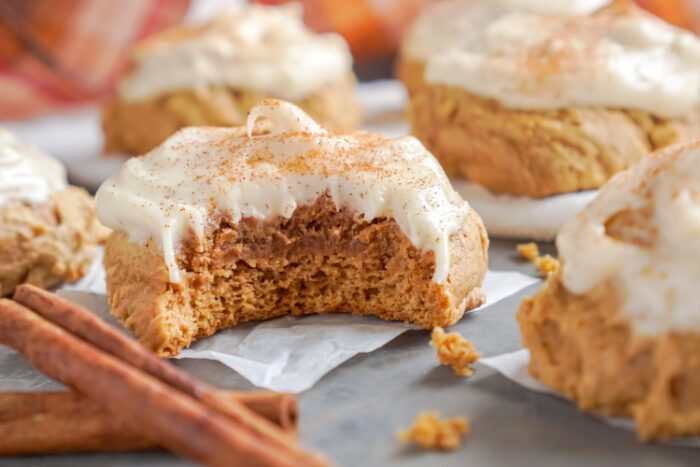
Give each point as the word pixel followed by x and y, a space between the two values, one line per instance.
pixel 530 60
pixel 261 48
pixel 659 281
pixel 26 174
pixel 197 172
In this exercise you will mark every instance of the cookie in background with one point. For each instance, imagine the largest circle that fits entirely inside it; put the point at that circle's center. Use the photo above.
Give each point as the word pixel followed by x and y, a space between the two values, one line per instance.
pixel 212 74
pixel 59 54
pixel 49 232
pixel 617 327
pixel 531 106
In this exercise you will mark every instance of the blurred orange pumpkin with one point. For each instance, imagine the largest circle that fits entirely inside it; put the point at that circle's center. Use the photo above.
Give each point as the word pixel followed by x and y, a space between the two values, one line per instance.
pixel 678 12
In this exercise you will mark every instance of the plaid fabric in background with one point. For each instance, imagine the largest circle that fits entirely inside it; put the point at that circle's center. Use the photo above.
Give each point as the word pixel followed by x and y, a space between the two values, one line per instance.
pixel 60 53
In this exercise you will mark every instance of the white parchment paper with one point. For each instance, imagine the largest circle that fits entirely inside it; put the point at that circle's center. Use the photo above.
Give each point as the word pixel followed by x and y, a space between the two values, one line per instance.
pixel 291 353
pixel 514 367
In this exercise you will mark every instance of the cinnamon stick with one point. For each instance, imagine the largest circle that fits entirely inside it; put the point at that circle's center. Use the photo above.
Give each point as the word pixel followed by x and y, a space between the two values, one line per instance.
pixel 85 325
pixel 33 423
pixel 150 407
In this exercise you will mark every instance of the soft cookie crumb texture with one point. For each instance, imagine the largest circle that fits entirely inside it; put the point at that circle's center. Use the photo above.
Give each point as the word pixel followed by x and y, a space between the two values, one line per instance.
pixel 547 265
pixel 454 350
pixel 321 260
pixel 431 432
pixel 528 251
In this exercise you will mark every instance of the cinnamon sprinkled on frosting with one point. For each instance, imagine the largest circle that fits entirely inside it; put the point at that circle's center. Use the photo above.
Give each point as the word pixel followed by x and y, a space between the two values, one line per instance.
pixel 460 24
pixel 268 169
pixel 535 58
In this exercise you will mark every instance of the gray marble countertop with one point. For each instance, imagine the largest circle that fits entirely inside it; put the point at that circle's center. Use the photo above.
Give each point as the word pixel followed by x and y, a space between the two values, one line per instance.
pixel 352 414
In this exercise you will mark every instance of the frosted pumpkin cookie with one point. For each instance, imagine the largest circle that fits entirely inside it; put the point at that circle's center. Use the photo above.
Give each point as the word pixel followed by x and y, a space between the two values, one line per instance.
pixel 617 328
pixel 219 226
pixel 459 24
pixel 48 230
pixel 215 73
pixel 532 103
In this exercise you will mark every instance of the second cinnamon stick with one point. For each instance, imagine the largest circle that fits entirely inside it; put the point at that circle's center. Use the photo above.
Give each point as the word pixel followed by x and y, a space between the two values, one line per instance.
pixel 33 423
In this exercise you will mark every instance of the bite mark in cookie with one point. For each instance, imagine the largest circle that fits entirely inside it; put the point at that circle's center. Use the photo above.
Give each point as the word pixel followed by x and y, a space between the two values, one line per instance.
pixel 286 217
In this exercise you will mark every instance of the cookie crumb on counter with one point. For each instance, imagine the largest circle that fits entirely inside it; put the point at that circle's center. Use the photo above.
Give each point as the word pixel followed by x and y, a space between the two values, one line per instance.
pixel 429 431
pixel 529 251
pixel 547 264
pixel 454 350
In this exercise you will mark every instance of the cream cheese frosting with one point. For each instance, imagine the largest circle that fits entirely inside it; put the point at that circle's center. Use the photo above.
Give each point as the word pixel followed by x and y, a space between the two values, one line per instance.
pixel 460 24
pixel 530 59
pixel 261 48
pixel 27 174
pixel 179 186
pixel 521 217
pixel 658 280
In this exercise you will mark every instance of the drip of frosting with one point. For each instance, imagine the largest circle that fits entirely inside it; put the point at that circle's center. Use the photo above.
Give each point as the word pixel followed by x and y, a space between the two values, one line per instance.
pixel 261 48
pixel 199 172
pixel 460 24
pixel 658 278
pixel 611 58
pixel 27 174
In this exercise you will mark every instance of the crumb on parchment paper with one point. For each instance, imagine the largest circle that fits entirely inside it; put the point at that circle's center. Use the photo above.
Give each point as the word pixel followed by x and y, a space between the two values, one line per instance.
pixel 454 350
pixel 429 431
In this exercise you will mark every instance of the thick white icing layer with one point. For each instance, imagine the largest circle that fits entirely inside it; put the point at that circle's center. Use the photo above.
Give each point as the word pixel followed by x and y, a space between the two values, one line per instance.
pixel 509 216
pixel 26 174
pixel 197 172
pixel 529 60
pixel 460 24
pixel 261 48
pixel 659 282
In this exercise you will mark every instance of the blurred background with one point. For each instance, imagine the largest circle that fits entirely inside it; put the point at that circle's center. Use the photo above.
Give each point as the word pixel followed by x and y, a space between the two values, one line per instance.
pixel 58 54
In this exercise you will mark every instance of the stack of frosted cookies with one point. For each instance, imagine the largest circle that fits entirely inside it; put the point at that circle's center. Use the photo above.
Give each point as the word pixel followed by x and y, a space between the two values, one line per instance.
pixel 529 105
